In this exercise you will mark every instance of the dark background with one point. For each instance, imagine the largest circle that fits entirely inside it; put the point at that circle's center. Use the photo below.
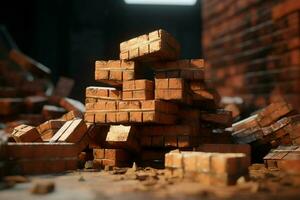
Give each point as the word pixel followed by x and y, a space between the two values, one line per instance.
pixel 68 36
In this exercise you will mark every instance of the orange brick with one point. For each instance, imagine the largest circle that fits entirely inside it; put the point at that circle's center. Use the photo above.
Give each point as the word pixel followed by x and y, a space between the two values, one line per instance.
pixel 24 133
pixel 122 137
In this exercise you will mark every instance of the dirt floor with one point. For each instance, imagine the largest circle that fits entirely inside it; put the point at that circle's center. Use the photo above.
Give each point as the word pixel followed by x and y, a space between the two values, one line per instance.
pixel 154 184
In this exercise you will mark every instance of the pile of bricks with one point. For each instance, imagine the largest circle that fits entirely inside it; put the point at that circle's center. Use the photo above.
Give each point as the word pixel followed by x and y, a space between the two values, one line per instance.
pixel 256 44
pixel 155 103
pixel 270 127
pixel 51 147
pixel 26 92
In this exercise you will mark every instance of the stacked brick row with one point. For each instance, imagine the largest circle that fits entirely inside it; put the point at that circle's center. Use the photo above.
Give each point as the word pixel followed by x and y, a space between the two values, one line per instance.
pixel 276 124
pixel 154 103
pixel 251 48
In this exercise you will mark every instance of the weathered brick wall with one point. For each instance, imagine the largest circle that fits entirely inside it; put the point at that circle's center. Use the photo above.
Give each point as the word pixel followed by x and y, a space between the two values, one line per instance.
pixel 252 48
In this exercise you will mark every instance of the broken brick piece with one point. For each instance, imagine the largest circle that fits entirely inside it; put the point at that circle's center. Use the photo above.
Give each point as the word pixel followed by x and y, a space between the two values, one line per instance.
pixel 25 133
pixel 49 128
pixel 72 131
pixel 124 137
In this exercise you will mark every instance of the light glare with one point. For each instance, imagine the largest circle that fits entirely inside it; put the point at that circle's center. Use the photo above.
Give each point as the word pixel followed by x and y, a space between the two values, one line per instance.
pixel 163 2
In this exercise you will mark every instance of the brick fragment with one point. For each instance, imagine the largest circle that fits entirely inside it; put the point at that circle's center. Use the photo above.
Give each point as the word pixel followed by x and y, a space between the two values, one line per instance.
pixel 72 131
pixel 25 133
pixel 49 128
pixel 122 137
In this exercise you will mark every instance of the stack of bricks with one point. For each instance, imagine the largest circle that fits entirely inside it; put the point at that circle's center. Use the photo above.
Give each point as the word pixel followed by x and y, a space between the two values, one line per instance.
pixel 161 103
pixel 53 146
pixel 270 127
pixel 26 92
pixel 208 168
pixel 256 44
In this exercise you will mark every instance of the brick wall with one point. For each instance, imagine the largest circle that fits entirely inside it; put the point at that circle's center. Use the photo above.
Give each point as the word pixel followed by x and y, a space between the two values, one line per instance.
pixel 252 49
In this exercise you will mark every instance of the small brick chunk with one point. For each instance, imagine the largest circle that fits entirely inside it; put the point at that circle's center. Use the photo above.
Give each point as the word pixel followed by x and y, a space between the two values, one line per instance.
pixel 49 128
pixel 25 133
pixel 72 131
pixel 138 90
pixel 155 46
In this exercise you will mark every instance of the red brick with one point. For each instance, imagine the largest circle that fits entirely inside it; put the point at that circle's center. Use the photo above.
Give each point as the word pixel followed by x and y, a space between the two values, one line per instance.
pixel 25 133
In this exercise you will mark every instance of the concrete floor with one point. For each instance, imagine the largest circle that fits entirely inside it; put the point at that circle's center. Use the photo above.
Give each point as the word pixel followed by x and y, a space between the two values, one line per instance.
pixel 81 185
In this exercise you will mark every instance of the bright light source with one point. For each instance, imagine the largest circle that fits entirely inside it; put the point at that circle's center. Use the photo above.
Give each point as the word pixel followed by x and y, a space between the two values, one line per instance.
pixel 163 2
